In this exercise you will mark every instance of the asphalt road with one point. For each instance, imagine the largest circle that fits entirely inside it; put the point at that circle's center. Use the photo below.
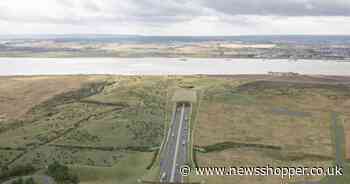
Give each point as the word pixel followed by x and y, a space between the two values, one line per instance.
pixel 175 151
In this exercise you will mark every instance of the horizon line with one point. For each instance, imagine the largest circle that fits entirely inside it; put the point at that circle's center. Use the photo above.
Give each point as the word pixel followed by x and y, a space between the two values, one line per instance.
pixel 142 35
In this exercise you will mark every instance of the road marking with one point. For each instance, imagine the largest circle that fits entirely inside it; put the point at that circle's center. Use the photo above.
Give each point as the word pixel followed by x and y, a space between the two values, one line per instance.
pixel 166 149
pixel 173 119
pixel 172 178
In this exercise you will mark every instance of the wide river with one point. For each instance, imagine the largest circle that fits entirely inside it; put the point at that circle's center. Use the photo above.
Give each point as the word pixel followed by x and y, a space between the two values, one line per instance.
pixel 166 66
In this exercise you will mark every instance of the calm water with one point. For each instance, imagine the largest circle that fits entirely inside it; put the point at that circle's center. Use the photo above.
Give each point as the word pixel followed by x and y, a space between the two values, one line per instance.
pixel 160 66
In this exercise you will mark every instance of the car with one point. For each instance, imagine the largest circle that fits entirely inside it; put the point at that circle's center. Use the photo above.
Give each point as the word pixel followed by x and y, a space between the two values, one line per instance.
pixel 163 177
pixel 184 142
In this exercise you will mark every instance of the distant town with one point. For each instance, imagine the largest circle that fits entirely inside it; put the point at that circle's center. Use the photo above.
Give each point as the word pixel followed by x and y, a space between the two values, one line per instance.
pixel 269 47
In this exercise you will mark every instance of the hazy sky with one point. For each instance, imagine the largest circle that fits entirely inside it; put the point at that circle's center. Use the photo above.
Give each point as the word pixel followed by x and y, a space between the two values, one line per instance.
pixel 175 17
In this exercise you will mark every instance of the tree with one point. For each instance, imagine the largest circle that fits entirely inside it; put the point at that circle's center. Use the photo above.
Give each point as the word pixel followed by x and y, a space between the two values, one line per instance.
pixel 18 181
pixel 61 173
pixel 29 181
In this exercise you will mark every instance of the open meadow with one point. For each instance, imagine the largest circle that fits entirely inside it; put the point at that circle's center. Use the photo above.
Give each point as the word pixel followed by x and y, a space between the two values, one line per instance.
pixel 109 129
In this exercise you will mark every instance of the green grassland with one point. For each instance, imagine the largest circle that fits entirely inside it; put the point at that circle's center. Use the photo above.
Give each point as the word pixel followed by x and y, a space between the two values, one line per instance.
pixel 6 156
pixel 110 130
pixel 103 125
pixel 127 171
pixel 338 140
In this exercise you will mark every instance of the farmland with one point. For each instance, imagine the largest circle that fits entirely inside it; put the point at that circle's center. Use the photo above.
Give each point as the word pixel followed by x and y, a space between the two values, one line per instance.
pixel 257 123
pixel 114 125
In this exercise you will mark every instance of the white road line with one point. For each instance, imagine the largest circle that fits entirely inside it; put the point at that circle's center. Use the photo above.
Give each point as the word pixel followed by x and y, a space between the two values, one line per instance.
pixel 173 119
pixel 173 171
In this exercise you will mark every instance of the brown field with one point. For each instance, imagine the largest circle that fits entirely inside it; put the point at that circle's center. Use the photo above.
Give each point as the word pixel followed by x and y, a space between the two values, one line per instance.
pixel 292 115
pixel 347 144
pixel 19 94
pixel 347 135
pixel 249 157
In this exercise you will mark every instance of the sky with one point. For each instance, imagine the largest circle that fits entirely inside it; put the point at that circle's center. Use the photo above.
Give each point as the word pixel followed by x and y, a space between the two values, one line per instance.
pixel 175 17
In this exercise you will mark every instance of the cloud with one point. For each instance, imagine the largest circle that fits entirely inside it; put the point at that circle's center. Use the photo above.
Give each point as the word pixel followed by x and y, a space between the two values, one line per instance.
pixel 174 16
pixel 163 11
pixel 280 7
pixel 97 11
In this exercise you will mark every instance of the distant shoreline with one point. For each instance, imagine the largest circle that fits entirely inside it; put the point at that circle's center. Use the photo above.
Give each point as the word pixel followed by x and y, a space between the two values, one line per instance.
pixel 183 59
pixel 319 79
pixel 179 58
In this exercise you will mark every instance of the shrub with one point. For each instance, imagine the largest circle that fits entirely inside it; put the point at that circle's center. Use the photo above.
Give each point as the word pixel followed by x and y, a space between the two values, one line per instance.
pixel 61 174
pixel 18 181
pixel 16 171
pixel 29 181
